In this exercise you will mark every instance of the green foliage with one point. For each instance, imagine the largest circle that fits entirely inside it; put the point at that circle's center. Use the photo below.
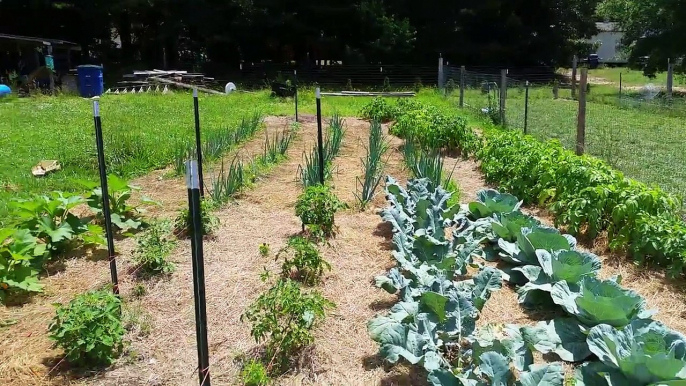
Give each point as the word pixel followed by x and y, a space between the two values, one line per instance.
pixel 154 246
pixel 284 318
pixel 50 220
pixel 20 255
pixel 124 215
pixel 588 197
pixel 430 128
pixel 254 374
pixel 264 249
pixel 89 328
pixel 302 255
pixel 210 222
pixel 276 148
pixel 316 207
pixel 372 164
pixel 218 142
pixel 379 110
pixel 427 164
pixel 309 175
pixel 643 353
pixel 228 182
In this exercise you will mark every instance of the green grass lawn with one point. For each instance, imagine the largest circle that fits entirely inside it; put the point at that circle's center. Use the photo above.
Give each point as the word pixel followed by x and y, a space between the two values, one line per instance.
pixel 141 132
pixel 647 144
pixel 633 77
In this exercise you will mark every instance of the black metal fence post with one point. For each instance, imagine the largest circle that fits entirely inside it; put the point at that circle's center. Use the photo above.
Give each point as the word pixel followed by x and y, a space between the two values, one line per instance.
pixel 198 142
pixel 193 184
pixel 109 234
pixel 295 81
pixel 620 89
pixel 526 106
pixel 320 140
pixel 462 84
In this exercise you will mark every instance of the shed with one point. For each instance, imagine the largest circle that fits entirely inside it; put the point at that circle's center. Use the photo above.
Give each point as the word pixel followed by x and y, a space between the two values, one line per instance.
pixel 609 36
pixel 26 54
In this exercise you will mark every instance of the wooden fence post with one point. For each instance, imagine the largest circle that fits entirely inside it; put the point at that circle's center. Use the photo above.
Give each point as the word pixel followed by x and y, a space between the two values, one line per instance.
pixel 670 78
pixel 503 95
pixel 575 62
pixel 463 72
pixel 581 118
pixel 440 73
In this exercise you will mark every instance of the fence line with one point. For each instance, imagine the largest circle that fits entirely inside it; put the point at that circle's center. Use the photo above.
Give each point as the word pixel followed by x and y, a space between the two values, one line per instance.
pixel 642 135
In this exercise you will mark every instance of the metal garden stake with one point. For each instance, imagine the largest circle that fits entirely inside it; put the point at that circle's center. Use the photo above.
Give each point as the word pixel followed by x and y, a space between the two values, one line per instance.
pixel 105 197
pixel 198 144
pixel 193 184
pixel 320 141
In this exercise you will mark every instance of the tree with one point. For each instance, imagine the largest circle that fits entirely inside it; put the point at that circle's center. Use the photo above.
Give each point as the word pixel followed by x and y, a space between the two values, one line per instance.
pixel 653 30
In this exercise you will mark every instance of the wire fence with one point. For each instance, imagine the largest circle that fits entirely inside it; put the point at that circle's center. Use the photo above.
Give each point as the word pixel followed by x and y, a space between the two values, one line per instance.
pixel 642 134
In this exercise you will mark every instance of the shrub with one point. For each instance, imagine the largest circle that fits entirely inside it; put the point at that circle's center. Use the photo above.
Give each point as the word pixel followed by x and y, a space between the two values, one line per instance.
pixel 20 253
pixel 303 256
pixel 89 328
pixel 154 246
pixel 284 317
pixel 316 207
pixel 254 374
pixel 210 222
pixel 379 110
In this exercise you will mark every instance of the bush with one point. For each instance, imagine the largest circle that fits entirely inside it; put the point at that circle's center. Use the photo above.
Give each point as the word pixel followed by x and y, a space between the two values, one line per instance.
pixel 154 246
pixel 89 328
pixel 210 222
pixel 303 256
pixel 284 317
pixel 254 374
pixel 316 207
pixel 379 110
pixel 588 196
pixel 432 129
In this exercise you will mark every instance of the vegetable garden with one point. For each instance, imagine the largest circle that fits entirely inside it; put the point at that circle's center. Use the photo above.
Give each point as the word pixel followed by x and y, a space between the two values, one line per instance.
pixel 446 281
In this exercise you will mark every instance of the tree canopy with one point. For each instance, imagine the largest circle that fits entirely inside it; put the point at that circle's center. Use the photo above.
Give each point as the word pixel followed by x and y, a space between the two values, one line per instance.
pixel 653 30
pixel 189 32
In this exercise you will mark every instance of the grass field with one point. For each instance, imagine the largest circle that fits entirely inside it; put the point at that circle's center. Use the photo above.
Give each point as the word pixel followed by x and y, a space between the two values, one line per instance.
pixel 633 77
pixel 140 132
pixel 646 144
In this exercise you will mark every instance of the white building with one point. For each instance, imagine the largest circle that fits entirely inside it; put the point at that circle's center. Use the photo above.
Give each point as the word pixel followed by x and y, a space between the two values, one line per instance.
pixel 609 36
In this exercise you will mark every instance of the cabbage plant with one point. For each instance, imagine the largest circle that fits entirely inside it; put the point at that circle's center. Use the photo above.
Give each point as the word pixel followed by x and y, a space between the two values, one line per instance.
pixel 643 353
pixel 595 302
pixel 569 266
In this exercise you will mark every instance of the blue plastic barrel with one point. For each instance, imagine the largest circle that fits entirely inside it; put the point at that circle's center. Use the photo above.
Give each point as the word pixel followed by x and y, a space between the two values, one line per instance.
pixel 90 80
pixel 4 90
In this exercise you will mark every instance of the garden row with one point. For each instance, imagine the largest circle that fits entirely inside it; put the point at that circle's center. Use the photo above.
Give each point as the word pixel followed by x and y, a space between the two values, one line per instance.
pixel 284 317
pixel 583 193
pixel 90 328
pixel 606 329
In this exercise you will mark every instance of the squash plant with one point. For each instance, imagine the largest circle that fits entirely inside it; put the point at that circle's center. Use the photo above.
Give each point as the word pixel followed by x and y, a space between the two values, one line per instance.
pixel 19 253
pixel 49 218
pixel 124 215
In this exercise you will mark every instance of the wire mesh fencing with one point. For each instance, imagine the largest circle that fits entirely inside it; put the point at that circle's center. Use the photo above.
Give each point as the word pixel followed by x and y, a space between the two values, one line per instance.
pixel 644 138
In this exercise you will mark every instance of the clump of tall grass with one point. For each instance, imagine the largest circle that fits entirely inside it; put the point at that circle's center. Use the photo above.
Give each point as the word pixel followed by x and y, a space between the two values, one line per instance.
pixel 228 182
pixel 423 163
pixel 217 142
pixel 372 164
pixel 276 148
pixel 309 174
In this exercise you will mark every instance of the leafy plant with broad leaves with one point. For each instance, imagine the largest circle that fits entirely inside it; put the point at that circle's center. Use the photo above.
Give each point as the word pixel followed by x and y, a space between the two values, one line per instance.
pixel 153 249
pixel 50 220
pixel 569 266
pixel 124 215
pixel 89 328
pixel 20 254
pixel 303 257
pixel 595 302
pixel 490 202
pixel 317 207
pixel 284 317
pixel 644 352
pixel 523 251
